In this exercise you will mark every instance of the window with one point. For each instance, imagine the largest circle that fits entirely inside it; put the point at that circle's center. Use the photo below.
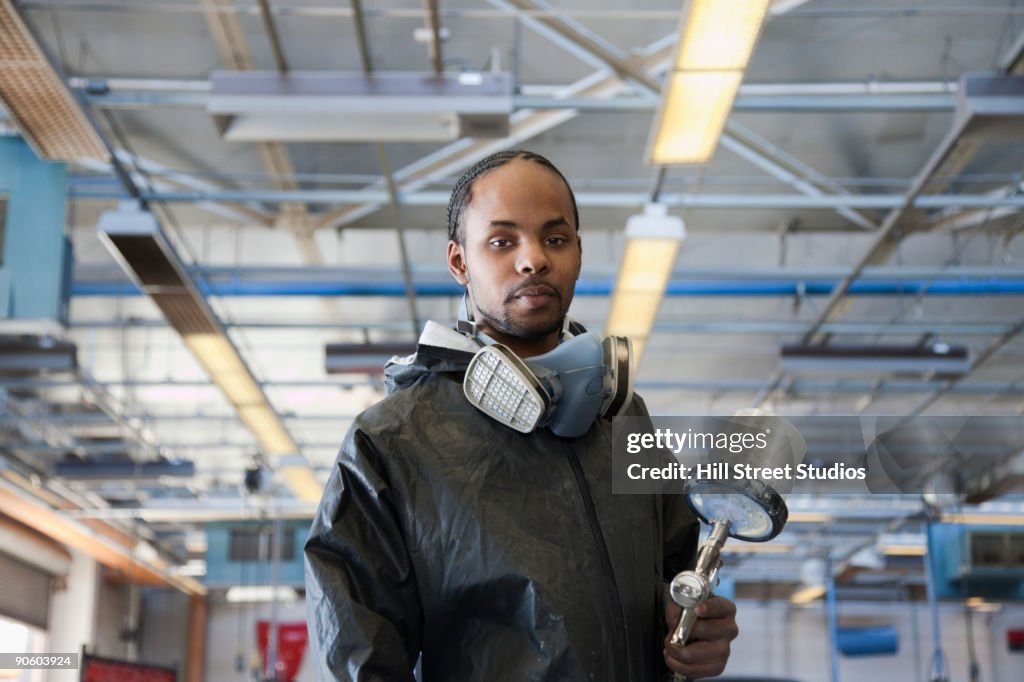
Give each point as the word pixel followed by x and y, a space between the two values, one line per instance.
pixel 254 544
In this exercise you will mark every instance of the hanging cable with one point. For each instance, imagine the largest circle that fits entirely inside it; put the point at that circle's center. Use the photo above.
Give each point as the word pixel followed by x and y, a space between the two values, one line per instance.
pixel 939 670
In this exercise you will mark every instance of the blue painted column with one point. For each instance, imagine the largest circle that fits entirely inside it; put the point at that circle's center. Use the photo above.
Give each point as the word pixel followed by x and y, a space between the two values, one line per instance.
pixel 35 273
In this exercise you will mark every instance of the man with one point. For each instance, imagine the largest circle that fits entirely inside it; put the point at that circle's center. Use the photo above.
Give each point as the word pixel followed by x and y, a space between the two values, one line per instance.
pixel 484 553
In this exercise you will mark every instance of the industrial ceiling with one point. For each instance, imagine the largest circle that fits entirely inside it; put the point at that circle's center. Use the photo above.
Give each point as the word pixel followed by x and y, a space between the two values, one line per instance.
pixel 847 204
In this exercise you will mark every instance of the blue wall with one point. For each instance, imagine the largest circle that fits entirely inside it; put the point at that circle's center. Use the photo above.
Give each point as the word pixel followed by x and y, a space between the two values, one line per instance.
pixel 36 272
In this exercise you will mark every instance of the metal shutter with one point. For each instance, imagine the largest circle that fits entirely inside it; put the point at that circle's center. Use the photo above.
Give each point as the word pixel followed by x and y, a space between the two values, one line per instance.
pixel 24 592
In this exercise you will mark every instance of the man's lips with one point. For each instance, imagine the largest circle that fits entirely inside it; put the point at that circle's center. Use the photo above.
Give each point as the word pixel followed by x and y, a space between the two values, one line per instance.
pixel 535 296
pixel 535 291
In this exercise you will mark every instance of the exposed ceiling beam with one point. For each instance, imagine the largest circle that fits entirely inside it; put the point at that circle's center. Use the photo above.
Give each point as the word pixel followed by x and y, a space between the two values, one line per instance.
pixel 141 93
pixel 582 42
pixel 163 178
pixel 525 124
pixel 991 349
pixel 270 26
pixel 434 26
pixel 20 506
pixel 376 197
pixel 229 36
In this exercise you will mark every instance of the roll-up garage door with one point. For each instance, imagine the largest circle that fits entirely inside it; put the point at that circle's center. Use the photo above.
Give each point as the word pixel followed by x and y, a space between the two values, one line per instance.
pixel 24 592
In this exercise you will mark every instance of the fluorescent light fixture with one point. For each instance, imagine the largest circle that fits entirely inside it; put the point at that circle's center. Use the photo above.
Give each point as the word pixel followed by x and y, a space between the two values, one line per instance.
pixel 697 103
pixel 719 35
pixel 807 595
pixel 354 107
pixel 979 604
pixel 982 519
pixel 934 358
pixel 652 244
pixel 904 550
pixel 363 358
pixel 20 356
pixel 240 594
pixel 716 40
pixel 810 517
pixel 135 239
pixel 39 102
pixel 301 481
pixel 263 421
pixel 757 548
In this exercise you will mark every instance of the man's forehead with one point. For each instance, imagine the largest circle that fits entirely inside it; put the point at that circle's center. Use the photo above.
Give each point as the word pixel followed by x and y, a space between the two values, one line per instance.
pixel 519 177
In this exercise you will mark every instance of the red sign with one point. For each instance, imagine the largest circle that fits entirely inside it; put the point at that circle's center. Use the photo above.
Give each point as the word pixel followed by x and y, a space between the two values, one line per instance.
pixel 291 646
pixel 1015 640
pixel 109 670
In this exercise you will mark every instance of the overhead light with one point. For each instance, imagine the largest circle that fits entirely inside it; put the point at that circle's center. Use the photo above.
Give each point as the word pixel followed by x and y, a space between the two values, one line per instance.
pixel 982 519
pixel 719 36
pixel 904 550
pixel 979 604
pixel 363 358
pixel 84 470
pixel 807 595
pixel 652 244
pixel 809 517
pixel 933 358
pixel 135 239
pixel 701 99
pixel 757 548
pixel 21 356
pixel 355 107
pixel 39 102
pixel 716 40
pixel 260 593
pixel 296 474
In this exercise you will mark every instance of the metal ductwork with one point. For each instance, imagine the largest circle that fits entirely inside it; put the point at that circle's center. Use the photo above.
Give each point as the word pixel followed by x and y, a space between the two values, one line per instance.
pixel 353 107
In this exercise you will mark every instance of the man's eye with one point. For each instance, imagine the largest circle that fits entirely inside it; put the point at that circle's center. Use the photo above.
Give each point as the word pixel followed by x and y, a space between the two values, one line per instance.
pixel 557 241
pixel 500 243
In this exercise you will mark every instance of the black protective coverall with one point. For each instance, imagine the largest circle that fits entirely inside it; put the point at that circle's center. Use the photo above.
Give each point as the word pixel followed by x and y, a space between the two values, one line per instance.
pixel 497 555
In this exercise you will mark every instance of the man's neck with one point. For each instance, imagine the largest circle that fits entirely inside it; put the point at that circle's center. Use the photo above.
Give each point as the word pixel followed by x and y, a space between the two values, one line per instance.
pixel 524 348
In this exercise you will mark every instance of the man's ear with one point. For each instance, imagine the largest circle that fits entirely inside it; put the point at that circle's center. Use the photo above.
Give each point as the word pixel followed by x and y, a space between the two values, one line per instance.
pixel 457 262
pixel 579 263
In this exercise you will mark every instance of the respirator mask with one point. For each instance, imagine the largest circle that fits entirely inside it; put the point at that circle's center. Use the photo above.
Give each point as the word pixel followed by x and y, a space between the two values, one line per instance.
pixel 565 389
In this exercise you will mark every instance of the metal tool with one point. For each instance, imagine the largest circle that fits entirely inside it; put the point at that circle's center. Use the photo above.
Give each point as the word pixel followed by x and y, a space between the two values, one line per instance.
pixel 746 510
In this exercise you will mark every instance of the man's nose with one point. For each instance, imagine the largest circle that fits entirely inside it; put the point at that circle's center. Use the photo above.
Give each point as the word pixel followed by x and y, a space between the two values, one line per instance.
pixel 533 258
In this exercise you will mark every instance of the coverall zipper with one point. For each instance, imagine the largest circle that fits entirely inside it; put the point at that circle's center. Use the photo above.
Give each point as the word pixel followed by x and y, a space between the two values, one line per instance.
pixel 614 598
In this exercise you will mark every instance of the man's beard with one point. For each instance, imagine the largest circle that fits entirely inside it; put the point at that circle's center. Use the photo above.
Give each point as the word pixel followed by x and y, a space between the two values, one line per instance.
pixel 510 327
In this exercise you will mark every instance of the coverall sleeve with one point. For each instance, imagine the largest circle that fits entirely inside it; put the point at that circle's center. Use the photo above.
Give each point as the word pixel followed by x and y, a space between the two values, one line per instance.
pixel 682 531
pixel 362 603
pixel 680 527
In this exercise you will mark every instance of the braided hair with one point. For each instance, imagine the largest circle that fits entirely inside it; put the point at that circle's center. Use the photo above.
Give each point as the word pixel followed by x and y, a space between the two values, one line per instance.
pixel 462 194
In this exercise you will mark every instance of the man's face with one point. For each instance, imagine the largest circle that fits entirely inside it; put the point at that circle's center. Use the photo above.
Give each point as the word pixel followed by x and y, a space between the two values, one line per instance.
pixel 521 257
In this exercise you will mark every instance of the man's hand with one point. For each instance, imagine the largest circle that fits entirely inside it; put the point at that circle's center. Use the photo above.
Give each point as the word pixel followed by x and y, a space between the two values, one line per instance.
pixel 707 650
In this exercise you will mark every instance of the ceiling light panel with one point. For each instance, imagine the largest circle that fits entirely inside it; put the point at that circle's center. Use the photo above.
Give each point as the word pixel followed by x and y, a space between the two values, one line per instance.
pixel 694 108
pixel 135 239
pixel 716 40
pixel 653 239
pixel 43 108
pixel 719 35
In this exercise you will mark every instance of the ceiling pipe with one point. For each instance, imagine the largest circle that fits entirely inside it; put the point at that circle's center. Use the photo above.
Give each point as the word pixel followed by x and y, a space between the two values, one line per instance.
pixel 588 287
pixel 743 201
